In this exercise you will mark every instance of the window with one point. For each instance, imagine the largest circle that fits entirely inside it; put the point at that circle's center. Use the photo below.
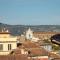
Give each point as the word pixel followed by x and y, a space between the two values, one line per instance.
pixel 9 46
pixel 1 47
pixel 29 36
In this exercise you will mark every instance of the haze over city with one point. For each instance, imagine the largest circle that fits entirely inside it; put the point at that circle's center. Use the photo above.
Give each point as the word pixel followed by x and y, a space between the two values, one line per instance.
pixel 30 12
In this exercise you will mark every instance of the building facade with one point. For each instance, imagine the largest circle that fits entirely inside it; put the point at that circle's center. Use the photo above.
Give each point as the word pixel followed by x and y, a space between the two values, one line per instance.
pixel 44 35
pixel 7 43
pixel 30 36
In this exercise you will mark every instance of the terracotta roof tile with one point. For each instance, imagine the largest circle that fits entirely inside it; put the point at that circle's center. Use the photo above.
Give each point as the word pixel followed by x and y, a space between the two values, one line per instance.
pixel 14 57
pixel 30 45
pixel 38 52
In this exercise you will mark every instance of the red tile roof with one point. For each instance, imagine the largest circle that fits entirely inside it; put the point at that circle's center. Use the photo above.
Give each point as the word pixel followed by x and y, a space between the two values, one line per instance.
pixel 14 57
pixel 29 44
pixel 38 52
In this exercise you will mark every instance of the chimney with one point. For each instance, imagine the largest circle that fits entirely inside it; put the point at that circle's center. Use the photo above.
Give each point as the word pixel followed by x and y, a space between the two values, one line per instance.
pixel 22 51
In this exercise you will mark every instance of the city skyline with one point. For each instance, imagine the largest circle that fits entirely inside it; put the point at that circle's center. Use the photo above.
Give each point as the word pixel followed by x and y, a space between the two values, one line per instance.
pixel 30 12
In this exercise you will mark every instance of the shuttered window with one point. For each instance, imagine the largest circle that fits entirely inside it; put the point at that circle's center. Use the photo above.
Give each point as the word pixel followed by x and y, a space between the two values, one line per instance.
pixel 9 46
pixel 1 47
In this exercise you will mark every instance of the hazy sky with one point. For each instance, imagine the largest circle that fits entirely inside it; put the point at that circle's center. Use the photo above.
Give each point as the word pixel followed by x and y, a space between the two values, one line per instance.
pixel 36 12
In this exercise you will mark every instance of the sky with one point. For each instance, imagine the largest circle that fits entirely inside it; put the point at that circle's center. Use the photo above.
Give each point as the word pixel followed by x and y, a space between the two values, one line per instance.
pixel 30 12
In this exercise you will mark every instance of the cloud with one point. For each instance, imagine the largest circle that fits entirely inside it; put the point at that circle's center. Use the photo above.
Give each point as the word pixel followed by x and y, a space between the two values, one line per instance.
pixel 3 17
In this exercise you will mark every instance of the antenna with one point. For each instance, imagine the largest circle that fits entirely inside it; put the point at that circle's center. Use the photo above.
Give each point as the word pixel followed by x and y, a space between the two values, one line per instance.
pixel 6 31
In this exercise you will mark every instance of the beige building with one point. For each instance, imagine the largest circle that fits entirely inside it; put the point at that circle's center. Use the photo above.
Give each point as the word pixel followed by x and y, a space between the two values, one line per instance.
pixel 44 35
pixel 20 39
pixel 7 42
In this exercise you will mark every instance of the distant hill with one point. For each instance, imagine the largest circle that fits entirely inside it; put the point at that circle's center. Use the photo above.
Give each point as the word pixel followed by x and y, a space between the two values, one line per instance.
pixel 19 29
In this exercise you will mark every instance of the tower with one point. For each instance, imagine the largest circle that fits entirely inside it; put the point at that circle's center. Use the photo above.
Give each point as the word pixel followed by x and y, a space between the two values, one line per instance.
pixel 29 34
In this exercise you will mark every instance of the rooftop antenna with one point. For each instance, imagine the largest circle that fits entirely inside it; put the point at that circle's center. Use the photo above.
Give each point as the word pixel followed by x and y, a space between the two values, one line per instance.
pixel 7 31
pixel 2 30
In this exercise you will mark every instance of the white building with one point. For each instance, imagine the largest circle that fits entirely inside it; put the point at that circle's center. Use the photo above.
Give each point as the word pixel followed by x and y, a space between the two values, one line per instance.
pixel 29 35
pixel 7 42
pixel 47 46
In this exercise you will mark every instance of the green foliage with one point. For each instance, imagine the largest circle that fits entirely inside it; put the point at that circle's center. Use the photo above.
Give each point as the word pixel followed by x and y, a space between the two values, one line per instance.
pixel 55 47
pixel 46 41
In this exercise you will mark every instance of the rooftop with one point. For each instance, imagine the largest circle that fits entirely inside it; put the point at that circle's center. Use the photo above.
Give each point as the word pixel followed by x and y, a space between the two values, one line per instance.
pixel 46 32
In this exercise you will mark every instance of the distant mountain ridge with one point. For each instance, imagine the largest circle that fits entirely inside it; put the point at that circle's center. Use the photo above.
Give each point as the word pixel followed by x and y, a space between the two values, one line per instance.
pixel 19 29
